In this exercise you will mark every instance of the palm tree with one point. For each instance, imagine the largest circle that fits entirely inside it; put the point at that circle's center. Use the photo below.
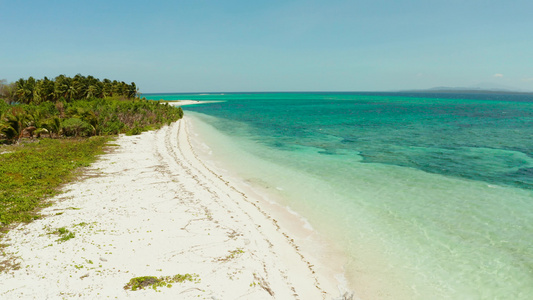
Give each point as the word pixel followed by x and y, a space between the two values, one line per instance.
pixel 118 88
pixel 36 119
pixel 72 92
pixel 25 90
pixel 80 85
pixel 93 87
pixel 131 90
pixel 67 88
pixel 14 124
pixel 53 125
pixel 61 86
pixel 20 90
pixel 38 93
pixel 91 118
pixel 107 89
pixel 91 91
pixel 99 90
pixel 29 90
pixel 46 89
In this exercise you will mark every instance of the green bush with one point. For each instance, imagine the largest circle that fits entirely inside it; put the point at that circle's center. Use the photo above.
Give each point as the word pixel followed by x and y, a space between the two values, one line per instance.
pixel 3 107
pixel 135 131
pixel 112 127
pixel 85 117
pixel 76 127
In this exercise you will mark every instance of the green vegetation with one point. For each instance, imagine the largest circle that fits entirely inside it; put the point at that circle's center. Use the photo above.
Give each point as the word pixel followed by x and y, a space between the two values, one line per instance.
pixel 64 234
pixel 155 282
pixel 77 107
pixel 32 172
pixel 50 128
pixel 83 118
pixel 63 88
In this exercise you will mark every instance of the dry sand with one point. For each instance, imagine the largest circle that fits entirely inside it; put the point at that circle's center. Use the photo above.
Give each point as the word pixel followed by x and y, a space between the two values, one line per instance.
pixel 151 207
pixel 189 102
pixel 185 102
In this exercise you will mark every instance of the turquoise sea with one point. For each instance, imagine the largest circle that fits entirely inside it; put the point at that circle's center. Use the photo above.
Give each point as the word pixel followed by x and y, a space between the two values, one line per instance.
pixel 429 195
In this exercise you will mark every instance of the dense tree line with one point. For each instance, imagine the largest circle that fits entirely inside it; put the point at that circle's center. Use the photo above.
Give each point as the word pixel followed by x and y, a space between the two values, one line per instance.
pixel 77 107
pixel 36 91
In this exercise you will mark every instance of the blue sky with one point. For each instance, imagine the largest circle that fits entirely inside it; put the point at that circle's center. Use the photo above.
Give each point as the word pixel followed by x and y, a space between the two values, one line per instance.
pixel 210 46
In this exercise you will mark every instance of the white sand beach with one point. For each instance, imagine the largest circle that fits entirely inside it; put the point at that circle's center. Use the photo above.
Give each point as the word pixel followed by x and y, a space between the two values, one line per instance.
pixel 151 207
pixel 189 102
pixel 184 102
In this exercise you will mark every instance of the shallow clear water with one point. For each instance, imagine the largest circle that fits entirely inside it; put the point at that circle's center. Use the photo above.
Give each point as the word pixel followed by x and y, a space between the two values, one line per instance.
pixel 431 196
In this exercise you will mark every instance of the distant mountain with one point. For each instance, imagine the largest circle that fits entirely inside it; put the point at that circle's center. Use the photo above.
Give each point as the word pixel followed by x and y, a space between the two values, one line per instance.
pixel 491 86
pixel 472 89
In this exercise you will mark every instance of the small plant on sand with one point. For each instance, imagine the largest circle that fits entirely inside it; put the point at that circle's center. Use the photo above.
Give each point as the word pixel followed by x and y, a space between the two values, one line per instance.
pixel 64 234
pixel 232 254
pixel 155 282
pixel 7 260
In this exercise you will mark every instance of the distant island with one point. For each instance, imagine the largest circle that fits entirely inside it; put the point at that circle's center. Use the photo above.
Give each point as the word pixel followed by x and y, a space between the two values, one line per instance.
pixel 470 90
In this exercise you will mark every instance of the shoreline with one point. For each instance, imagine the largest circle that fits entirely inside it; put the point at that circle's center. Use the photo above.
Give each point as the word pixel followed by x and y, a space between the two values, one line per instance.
pixel 211 148
pixel 152 208
pixel 184 102
pixel 189 102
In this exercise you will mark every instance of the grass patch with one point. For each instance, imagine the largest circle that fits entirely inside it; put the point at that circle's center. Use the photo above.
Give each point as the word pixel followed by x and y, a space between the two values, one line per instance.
pixel 33 172
pixel 156 282
pixel 64 234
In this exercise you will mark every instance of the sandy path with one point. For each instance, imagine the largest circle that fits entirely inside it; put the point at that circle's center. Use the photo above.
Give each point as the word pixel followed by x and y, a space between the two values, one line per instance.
pixel 152 208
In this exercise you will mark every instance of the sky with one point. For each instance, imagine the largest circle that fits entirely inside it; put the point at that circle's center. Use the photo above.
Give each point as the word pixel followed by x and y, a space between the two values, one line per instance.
pixel 239 46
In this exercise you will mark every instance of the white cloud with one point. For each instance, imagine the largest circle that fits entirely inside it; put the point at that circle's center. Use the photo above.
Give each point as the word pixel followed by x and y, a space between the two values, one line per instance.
pixel 527 79
pixel 498 75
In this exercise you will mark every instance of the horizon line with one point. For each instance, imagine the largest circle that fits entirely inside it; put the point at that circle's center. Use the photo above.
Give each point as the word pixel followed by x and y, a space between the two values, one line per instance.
pixel 430 90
